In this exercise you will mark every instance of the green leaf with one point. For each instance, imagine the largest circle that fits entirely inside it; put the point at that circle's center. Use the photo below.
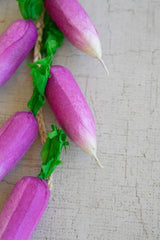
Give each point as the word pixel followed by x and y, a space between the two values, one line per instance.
pixel 36 102
pixel 52 36
pixel 40 74
pixel 51 152
pixel 31 9
pixel 52 39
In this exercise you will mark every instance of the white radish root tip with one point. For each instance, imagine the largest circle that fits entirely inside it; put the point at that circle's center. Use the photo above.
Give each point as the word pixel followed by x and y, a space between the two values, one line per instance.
pixel 103 64
pixel 98 162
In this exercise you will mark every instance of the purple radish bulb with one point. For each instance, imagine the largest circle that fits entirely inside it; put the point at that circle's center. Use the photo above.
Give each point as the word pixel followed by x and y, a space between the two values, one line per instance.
pixel 72 110
pixel 15 43
pixel 23 209
pixel 76 25
pixel 16 136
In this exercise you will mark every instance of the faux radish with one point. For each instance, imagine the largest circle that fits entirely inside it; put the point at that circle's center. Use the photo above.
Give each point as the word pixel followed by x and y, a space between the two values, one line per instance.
pixel 15 44
pixel 76 25
pixel 23 209
pixel 72 110
pixel 28 200
pixel 16 136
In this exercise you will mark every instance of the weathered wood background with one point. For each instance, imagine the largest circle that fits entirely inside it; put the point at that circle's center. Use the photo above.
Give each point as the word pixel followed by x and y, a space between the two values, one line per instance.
pixel 123 200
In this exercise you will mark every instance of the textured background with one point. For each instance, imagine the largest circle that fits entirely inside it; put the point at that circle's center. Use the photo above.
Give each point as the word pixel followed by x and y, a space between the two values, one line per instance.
pixel 123 200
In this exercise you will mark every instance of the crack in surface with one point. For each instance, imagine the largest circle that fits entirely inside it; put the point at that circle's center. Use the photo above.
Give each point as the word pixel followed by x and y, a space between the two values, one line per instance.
pixel 5 181
pixel 140 212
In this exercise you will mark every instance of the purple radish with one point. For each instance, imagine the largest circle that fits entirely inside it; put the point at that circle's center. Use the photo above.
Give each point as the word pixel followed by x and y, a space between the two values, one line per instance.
pixel 23 209
pixel 72 110
pixel 16 136
pixel 15 43
pixel 76 25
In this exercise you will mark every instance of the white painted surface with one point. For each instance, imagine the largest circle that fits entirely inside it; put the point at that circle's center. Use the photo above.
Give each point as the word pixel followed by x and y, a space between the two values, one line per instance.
pixel 123 200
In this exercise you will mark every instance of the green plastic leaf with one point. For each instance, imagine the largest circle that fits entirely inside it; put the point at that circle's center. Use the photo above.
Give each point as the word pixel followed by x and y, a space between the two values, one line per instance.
pixel 52 39
pixel 51 152
pixel 36 102
pixel 52 36
pixel 40 74
pixel 31 9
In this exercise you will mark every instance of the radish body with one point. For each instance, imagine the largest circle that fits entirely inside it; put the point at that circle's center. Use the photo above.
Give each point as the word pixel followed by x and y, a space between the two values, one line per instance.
pixel 71 109
pixel 76 25
pixel 16 136
pixel 15 44
pixel 23 209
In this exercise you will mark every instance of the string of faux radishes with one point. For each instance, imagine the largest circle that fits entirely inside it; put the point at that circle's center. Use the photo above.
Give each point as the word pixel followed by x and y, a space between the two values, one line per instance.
pixel 28 200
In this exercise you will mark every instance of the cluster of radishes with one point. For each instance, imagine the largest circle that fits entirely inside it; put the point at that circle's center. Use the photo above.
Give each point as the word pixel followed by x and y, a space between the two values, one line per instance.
pixel 24 208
